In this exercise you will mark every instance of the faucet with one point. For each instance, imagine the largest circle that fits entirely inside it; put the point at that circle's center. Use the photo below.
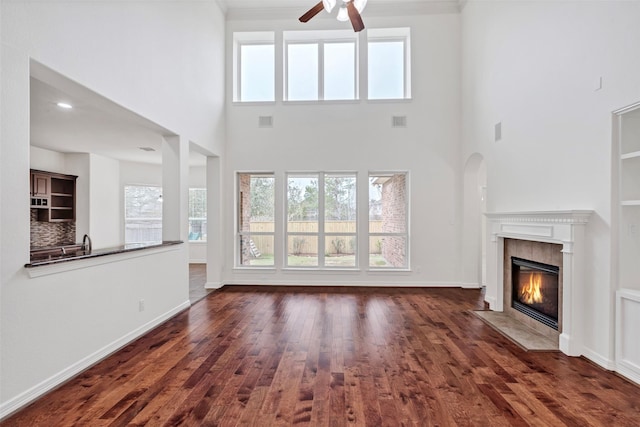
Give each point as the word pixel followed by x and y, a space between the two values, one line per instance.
pixel 86 243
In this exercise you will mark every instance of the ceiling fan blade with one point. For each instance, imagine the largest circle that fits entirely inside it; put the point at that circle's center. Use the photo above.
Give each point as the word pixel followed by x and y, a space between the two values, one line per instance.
pixel 354 16
pixel 312 12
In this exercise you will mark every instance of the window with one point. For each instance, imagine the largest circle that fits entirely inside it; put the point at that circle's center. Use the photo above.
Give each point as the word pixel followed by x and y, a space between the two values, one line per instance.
pixel 388 70
pixel 321 220
pixel 320 65
pixel 388 225
pixel 256 224
pixel 254 67
pixel 142 214
pixel 197 214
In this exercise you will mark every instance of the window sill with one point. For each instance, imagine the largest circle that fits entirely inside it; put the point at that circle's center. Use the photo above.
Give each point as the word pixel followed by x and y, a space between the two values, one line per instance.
pixel 389 270
pixel 322 270
pixel 323 102
pixel 261 269
pixel 252 103
pixel 390 101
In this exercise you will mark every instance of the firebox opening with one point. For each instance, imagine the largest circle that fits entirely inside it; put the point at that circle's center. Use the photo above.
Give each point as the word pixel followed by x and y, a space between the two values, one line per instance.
pixel 535 290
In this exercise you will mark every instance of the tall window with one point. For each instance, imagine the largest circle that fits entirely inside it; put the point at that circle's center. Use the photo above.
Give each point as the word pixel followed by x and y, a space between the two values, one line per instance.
pixel 388 220
pixel 321 220
pixel 254 65
pixel 142 214
pixel 256 224
pixel 388 68
pixel 197 214
pixel 320 65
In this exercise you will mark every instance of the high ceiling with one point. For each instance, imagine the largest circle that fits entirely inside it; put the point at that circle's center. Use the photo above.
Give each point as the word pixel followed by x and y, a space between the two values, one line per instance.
pixel 95 124
pixel 238 9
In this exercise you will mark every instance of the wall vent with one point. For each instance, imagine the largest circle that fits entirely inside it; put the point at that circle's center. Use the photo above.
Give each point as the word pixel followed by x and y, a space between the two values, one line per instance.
pixel 498 132
pixel 265 121
pixel 399 121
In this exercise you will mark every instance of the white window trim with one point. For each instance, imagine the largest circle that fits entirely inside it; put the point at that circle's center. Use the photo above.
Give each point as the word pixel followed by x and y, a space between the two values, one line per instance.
pixel 321 234
pixel 321 42
pixel 239 234
pixel 241 38
pixel 406 234
pixel 406 59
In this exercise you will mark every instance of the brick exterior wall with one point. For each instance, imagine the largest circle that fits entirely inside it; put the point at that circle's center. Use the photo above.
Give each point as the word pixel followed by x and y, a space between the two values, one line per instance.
pixel 244 183
pixel 394 219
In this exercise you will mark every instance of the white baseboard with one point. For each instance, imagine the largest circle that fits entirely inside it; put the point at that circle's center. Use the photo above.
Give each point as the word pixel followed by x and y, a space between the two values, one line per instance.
pixel 197 261
pixel 9 407
pixel 470 285
pixel 390 283
pixel 599 359
pixel 629 371
pixel 213 285
pixel 491 301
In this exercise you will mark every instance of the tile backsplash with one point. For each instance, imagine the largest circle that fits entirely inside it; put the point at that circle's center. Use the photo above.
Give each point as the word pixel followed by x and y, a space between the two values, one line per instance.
pixel 51 233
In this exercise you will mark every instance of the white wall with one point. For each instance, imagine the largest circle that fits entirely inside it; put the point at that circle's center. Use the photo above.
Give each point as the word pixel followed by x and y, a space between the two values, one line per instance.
pixel 162 60
pixel 536 67
pixel 357 136
pixel 47 160
pixel 106 218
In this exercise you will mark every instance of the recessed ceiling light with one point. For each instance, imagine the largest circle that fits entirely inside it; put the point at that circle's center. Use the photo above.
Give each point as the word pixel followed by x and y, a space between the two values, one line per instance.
pixel 64 105
pixel 147 148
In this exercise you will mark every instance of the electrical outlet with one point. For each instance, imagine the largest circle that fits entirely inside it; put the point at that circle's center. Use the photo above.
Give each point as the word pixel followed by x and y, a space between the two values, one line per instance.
pixel 141 305
pixel 632 229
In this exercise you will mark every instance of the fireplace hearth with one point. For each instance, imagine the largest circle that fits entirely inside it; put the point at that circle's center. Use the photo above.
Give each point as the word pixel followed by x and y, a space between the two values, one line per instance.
pixel 535 290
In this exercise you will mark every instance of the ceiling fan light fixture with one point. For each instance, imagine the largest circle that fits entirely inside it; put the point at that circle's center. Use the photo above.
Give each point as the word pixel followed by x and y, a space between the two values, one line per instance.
pixel 343 15
pixel 360 4
pixel 329 5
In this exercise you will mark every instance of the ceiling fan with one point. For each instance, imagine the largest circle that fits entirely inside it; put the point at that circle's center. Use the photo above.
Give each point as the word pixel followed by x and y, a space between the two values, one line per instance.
pixel 350 10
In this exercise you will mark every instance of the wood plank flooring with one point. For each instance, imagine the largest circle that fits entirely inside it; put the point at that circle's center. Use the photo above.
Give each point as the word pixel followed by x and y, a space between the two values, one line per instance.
pixel 276 356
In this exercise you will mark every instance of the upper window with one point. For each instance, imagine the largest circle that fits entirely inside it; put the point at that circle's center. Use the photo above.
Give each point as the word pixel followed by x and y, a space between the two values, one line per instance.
pixel 254 67
pixel 320 65
pixel 389 67
pixel 142 214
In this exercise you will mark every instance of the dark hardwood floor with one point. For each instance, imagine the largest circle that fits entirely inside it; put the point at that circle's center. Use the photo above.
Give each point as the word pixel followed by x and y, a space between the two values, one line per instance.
pixel 335 356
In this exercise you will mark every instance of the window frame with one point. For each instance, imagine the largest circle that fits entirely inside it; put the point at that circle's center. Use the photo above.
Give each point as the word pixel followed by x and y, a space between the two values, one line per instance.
pixel 320 38
pixel 126 218
pixel 241 39
pixel 406 234
pixel 386 35
pixel 321 234
pixel 239 234
pixel 190 218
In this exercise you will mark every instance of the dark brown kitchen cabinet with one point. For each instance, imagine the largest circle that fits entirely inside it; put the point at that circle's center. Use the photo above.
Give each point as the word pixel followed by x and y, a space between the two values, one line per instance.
pixel 54 196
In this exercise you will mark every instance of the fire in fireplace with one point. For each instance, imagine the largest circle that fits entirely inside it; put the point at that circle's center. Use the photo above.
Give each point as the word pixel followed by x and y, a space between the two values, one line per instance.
pixel 535 290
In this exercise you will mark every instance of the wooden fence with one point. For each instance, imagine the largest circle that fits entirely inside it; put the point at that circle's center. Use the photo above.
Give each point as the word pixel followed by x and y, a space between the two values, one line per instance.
pixel 309 244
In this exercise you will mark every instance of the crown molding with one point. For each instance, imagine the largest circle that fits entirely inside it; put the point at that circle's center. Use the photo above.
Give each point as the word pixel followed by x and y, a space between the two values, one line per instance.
pixel 405 8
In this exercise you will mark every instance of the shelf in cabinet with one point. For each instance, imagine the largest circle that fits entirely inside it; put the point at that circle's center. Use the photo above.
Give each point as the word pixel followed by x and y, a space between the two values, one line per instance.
pixel 62 194
pixel 61 208
pixel 632 155
pixel 630 203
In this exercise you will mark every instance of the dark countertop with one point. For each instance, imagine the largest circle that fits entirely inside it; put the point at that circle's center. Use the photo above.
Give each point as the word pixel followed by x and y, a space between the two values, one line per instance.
pixel 38 260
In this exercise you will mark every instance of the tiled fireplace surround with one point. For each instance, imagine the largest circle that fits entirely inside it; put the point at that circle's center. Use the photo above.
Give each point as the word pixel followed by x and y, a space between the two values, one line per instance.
pixel 555 238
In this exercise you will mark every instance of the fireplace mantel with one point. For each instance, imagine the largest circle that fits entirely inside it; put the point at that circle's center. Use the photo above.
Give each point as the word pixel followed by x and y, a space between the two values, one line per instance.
pixel 561 227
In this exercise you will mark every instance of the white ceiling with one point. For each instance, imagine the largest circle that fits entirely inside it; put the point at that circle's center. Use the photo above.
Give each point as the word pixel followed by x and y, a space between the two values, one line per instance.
pixel 100 126
pixel 95 124
pixel 276 9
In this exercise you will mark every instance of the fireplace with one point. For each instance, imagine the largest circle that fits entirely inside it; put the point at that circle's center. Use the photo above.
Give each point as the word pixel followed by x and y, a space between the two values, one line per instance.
pixel 535 290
